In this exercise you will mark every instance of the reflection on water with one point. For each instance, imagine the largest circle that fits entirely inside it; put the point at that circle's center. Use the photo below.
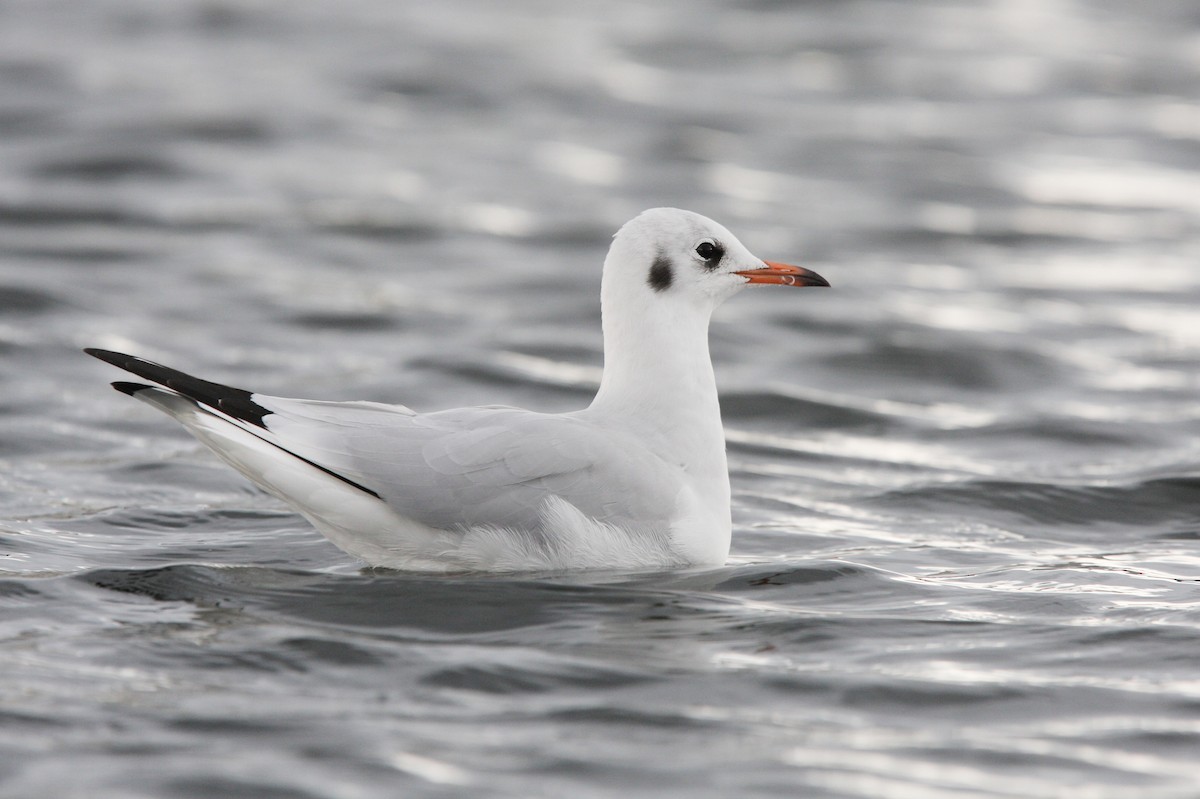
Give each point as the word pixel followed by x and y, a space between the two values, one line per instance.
pixel 965 480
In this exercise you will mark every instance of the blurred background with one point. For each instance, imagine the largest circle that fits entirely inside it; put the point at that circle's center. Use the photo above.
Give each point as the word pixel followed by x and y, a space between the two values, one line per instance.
pixel 966 479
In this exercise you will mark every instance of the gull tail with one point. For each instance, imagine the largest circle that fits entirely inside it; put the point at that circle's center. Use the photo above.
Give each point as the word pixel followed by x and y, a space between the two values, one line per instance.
pixel 226 419
pixel 236 425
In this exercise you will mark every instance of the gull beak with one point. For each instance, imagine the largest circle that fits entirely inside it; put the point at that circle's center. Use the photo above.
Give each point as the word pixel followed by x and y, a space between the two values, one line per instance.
pixel 784 275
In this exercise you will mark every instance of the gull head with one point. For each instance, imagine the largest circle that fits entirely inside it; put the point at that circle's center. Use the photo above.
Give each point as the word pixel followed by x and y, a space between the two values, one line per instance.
pixel 670 257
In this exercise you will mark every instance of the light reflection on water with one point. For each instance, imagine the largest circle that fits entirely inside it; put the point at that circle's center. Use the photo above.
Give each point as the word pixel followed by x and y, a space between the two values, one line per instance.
pixel 965 479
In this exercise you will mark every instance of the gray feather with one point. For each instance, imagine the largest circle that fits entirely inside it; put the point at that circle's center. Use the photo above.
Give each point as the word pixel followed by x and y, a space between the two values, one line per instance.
pixel 471 466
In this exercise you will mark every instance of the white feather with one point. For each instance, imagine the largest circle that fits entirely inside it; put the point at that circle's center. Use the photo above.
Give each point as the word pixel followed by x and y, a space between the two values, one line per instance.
pixel 637 480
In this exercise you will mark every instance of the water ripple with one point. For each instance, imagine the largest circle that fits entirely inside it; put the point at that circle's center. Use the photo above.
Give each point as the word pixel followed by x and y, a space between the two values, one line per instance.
pixel 964 480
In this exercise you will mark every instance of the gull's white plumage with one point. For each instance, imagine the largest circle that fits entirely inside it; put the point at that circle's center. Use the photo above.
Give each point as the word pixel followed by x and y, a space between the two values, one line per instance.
pixel 636 480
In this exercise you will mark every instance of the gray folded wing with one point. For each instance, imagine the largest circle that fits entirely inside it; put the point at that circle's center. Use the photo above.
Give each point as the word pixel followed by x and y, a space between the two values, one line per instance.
pixel 480 466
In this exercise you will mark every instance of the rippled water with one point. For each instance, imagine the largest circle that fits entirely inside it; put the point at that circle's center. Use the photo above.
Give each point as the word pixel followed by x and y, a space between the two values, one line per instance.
pixel 966 480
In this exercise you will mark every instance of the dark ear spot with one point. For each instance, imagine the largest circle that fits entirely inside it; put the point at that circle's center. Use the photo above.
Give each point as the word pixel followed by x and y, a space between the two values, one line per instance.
pixel 660 274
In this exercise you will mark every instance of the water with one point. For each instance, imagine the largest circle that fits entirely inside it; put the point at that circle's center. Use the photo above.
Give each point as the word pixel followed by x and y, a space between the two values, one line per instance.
pixel 966 480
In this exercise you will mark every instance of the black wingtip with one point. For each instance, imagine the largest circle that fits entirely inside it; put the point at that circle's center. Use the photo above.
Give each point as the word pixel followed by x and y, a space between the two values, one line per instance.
pixel 234 402
pixel 130 388
pixel 108 356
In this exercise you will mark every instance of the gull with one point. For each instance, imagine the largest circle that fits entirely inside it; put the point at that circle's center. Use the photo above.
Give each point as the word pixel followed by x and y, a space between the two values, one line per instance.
pixel 638 480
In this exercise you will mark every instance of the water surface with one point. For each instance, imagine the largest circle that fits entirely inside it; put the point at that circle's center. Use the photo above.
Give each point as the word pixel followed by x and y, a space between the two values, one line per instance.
pixel 966 480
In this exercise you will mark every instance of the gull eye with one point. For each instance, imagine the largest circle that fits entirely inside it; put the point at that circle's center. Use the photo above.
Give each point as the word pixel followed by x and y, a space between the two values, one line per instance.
pixel 709 251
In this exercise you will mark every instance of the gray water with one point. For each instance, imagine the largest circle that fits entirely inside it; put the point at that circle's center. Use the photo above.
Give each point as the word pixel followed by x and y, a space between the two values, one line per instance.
pixel 966 479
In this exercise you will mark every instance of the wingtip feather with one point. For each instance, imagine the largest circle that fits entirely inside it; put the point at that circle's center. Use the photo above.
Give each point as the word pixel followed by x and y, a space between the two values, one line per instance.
pixel 130 388
pixel 108 356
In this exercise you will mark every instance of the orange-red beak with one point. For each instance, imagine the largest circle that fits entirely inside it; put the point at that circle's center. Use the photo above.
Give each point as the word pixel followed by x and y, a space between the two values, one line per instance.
pixel 784 275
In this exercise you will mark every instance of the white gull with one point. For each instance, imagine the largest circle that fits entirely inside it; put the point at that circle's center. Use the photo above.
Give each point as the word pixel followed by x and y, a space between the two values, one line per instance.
pixel 637 480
